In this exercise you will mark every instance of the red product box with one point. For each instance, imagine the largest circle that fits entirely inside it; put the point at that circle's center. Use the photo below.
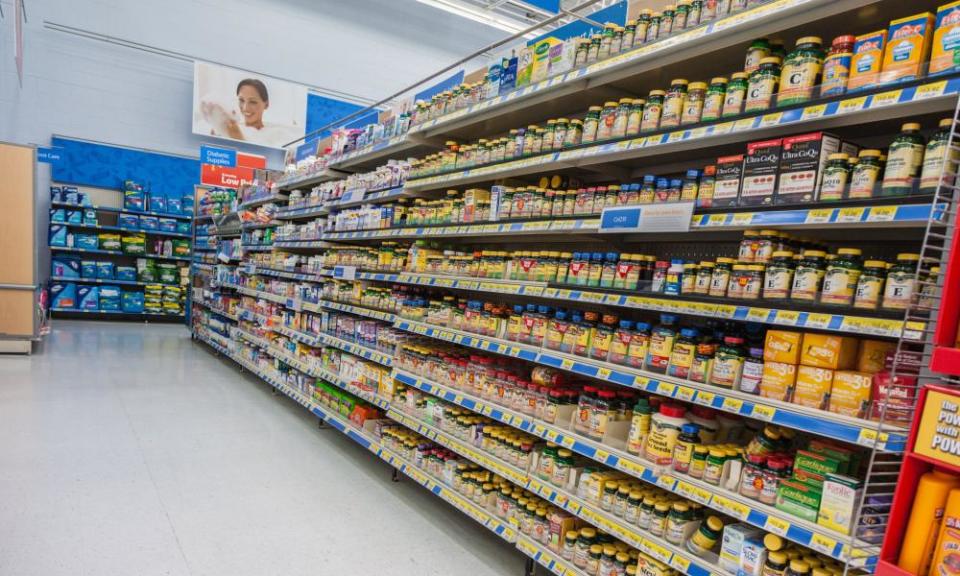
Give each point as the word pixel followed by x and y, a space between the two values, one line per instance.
pixel 726 190
pixel 760 167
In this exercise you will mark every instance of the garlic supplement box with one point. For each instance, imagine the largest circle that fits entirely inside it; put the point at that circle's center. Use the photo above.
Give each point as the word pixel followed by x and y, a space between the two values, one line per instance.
pixel 813 387
pixel 867 60
pixel 851 393
pixel 782 346
pixel 827 351
pixel 908 45
pixel 838 502
pixel 945 52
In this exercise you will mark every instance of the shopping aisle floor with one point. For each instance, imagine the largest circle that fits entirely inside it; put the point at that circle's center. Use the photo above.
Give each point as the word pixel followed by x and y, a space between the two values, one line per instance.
pixel 129 449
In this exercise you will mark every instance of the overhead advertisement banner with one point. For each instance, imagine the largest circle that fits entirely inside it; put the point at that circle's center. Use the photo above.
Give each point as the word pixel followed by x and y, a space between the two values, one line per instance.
pixel 244 107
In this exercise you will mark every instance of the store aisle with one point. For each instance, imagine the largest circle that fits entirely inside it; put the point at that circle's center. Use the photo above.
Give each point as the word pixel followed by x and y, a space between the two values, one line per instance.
pixel 129 449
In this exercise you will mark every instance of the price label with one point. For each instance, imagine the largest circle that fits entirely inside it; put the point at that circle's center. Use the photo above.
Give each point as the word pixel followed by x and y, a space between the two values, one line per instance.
pixel 761 412
pixel 867 437
pixel 822 543
pixel 787 317
pixel 724 128
pixel 813 112
pixel 743 124
pixel 732 404
pixel 603 373
pixel 631 467
pixel 776 525
pixel 716 220
pixel 882 214
pixel 601 455
pixel 657 551
pixel 770 119
pixel 818 320
pixel 849 215
pixel 819 216
pixel 886 98
pixel 931 90
pixel 705 398
pixel 685 394
pixel 681 564
pixel 735 509
pixel 852 105
pixel 566 364
pixel 742 219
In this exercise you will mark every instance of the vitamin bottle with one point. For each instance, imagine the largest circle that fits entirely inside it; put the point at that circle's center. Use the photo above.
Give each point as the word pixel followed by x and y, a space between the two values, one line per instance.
pixel 801 71
pixel 674 103
pixel 935 158
pixel 901 281
pixel 694 103
pixel 665 428
pixel 841 276
pixel 836 176
pixel 621 343
pixel 904 161
pixel 713 101
pixel 680 523
pixel 778 277
pixel 681 359
pixel 635 116
pixel 687 441
pixel 752 374
pixel 702 363
pixel 661 344
pixel 639 426
pixel 836 66
pixel 705 539
pixel 736 94
pixel 865 174
pixel 721 277
pixel 591 124
pixel 763 84
pixel 870 285
pixel 756 52
pixel 808 276
pixel 728 363
pixel 639 346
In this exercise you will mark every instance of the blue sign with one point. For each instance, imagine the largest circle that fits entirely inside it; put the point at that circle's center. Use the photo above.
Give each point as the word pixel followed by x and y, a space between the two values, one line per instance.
pixel 623 218
pixel 447 84
pixel 218 156
pixel 307 149
pixel 548 5
pixel 49 155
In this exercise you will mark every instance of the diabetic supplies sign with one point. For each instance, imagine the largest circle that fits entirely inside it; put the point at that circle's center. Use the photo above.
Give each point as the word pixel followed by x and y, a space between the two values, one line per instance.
pixel 667 217
pixel 225 168
pixel 938 435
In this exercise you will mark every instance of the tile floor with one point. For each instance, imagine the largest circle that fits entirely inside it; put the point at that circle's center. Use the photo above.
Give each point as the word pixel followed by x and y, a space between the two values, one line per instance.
pixel 128 449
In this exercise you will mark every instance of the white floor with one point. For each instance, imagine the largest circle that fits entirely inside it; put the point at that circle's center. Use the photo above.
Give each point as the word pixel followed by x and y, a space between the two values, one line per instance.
pixel 127 449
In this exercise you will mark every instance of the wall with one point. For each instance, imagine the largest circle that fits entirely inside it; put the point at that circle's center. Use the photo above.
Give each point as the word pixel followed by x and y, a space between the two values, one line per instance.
pixel 88 89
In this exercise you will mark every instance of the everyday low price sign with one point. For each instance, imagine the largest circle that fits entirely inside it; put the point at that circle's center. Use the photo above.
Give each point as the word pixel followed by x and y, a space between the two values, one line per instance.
pixel 666 217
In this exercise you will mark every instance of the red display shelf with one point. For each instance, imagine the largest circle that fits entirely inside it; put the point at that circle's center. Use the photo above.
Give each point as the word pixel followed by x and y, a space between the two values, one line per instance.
pixel 946 356
pixel 914 466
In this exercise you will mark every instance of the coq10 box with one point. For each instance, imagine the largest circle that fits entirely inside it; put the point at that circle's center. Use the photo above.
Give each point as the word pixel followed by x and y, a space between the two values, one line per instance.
pixel 760 172
pixel 802 160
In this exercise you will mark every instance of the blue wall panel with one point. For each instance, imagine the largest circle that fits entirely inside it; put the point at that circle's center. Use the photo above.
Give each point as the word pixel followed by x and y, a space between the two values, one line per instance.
pixel 322 111
pixel 616 13
pixel 447 84
pixel 103 166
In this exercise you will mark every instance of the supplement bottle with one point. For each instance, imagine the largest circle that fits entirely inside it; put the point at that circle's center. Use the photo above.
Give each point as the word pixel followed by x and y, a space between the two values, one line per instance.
pixel 801 71
pixel 639 427
pixel 713 101
pixel 836 176
pixel 865 174
pixel 681 359
pixel 808 276
pixel 736 94
pixel 901 280
pixel 661 344
pixel 665 429
pixel 904 161
pixel 935 158
pixel 836 67
pixel 870 285
pixel 763 84
pixel 673 103
pixel 841 277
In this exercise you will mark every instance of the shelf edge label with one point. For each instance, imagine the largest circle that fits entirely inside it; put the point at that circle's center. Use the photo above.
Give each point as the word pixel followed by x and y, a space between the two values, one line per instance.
pixel 667 217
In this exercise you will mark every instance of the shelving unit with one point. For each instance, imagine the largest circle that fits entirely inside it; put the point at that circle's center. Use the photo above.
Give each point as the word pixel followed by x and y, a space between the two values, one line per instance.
pixel 279 300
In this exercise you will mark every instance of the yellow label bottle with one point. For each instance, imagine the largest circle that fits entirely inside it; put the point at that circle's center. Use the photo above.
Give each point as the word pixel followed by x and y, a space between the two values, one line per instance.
pixel 923 527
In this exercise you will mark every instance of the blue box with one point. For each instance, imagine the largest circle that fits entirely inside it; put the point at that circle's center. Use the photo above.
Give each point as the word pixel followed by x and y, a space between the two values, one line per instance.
pixel 129 221
pixel 187 201
pixel 88 269
pixel 56 194
pixel 134 200
pixel 86 241
pixel 105 270
pixel 90 217
pixel 58 235
pixel 65 266
pixel 149 222
pixel 63 295
pixel 88 297
pixel 174 205
pixel 74 217
pixel 110 298
pixel 127 273
pixel 131 301
pixel 58 215
pixel 167 224
pixel 183 227
pixel 71 195
pixel 158 203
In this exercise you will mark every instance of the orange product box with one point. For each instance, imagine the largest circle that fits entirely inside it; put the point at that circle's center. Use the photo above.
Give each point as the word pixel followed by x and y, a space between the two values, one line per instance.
pixel 872 355
pixel 851 393
pixel 867 60
pixel 782 346
pixel 945 52
pixel 908 47
pixel 828 351
pixel 778 380
pixel 813 387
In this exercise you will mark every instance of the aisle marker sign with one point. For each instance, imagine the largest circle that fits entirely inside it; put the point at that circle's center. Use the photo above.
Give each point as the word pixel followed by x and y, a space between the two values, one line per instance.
pixel 218 156
pixel 668 217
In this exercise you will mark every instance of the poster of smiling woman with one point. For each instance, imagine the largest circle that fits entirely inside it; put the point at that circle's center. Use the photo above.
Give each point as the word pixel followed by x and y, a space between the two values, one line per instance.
pixel 238 105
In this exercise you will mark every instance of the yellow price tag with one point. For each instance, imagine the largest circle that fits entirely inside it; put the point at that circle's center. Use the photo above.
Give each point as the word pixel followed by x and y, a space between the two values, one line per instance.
pixel 684 393
pixel 886 98
pixel 680 563
pixel 819 216
pixel 567 441
pixel 776 525
pixel 770 119
pixel 566 364
pixel 732 404
pixel 735 509
pixel 717 220
pixel 812 112
pixel 818 320
pixel 666 389
pixel 631 467
pixel 761 412
pixel 601 455
pixel 742 219
pixel 850 214
pixel 882 214
pixel 852 105
pixel 823 543
pixel 705 398
pixel 931 90
pixel 603 373
pixel 787 317
pixel 867 437
pixel 743 124
pixel 657 551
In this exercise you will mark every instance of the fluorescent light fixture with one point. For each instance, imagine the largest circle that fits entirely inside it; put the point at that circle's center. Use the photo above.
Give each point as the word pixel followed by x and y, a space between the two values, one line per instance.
pixel 477 15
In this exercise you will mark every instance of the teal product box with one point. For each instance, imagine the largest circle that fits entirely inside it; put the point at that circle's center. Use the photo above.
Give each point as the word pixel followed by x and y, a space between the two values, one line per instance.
pixel 127 273
pixel 149 223
pixel 131 301
pixel 134 200
pixel 88 297
pixel 110 298
pixel 74 217
pixel 174 205
pixel 58 235
pixel 88 269
pixel 65 267
pixel 187 203
pixel 129 221
pixel 56 194
pixel 158 203
pixel 86 241
pixel 183 227
pixel 90 217
pixel 63 295
pixel 58 215
pixel 72 195
pixel 105 270
pixel 167 224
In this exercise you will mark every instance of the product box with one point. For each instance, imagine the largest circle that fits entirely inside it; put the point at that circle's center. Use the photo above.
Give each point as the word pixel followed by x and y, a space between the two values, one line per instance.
pixel 472 199
pixel 541 58
pixel 109 298
pixel 187 203
pixel 753 555
pixel 127 273
pixel 183 227
pixel 839 500
pixel 849 459
pixel 828 351
pixel 65 266
pixel 798 499
pixel 166 224
pixel 181 247
pixel 818 463
pixel 647 566
pixel 105 270
pixel 134 243
pixel 813 387
pixel 899 395
pixel 801 166
pixel 90 217
pixel 58 235
pixel 74 217
pixel 56 194
pixel 86 241
pixel 88 297
pixel 562 56
pixel 908 46
pixel 129 221
pixel 872 355
pixel 782 346
pixel 760 172
pixel 945 51
pixel 149 223
pixel 726 190
pixel 524 66
pixel 851 393
pixel 174 205
pixel 731 546
pixel 58 215
pixel 778 380
pixel 134 200
pixel 88 269
pixel 72 195
pixel 158 203
pixel 867 60
pixel 807 478
pixel 168 273
pixel 131 301
pixel 109 241
pixel 63 295
pixel 146 270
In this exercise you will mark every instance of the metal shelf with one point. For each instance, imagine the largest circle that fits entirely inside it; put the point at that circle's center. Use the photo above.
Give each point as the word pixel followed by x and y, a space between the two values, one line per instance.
pixel 117 253
pixel 122 210
pixel 121 229
pixel 324 175
pixel 303 212
pixel 115 312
